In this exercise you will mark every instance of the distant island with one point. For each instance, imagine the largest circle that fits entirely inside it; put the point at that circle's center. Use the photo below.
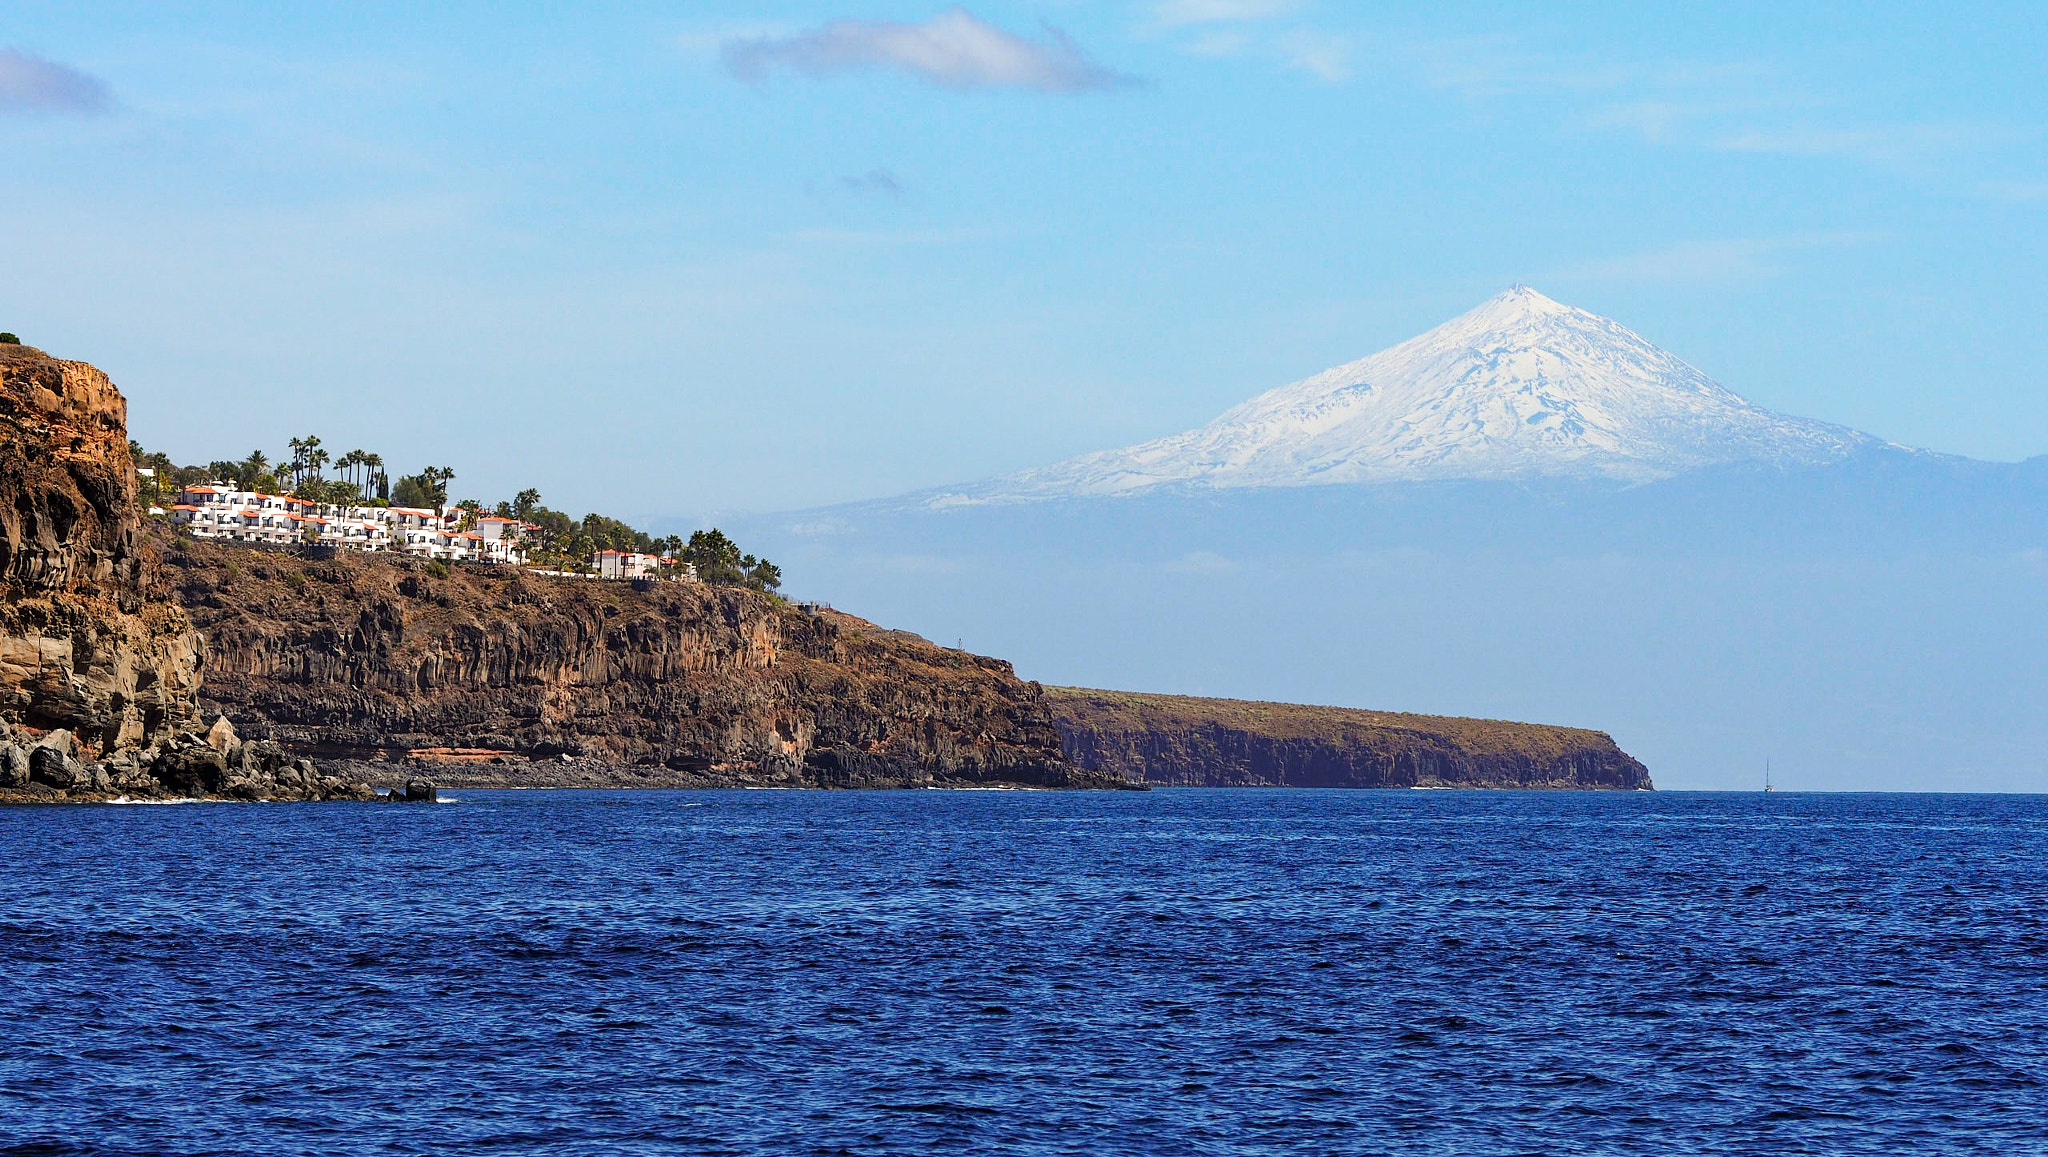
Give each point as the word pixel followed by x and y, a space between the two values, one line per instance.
pixel 1183 741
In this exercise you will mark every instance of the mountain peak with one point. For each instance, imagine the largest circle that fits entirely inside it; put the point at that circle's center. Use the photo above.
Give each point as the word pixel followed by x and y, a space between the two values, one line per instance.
pixel 1520 387
pixel 1518 302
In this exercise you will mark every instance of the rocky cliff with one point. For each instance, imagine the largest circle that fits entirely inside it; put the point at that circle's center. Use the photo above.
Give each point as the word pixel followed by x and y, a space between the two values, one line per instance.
pixel 495 676
pixel 1178 740
pixel 99 667
pixel 87 644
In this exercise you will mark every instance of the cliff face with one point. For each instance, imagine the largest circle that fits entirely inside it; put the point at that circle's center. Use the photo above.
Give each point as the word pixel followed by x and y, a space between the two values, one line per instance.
pixel 87 644
pixel 496 676
pixel 1178 740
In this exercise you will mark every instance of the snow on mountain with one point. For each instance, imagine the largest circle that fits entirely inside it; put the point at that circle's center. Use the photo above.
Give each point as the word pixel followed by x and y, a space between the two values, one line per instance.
pixel 1521 387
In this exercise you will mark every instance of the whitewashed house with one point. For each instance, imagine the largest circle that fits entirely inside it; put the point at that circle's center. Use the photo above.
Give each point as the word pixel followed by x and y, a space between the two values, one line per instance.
pixel 625 564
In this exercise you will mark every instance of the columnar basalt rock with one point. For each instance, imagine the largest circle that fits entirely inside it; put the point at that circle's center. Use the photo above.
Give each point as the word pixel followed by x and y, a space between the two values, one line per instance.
pixel 493 676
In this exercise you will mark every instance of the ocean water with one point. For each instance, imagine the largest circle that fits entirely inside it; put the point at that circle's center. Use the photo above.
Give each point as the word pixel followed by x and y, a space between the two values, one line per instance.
pixel 1172 972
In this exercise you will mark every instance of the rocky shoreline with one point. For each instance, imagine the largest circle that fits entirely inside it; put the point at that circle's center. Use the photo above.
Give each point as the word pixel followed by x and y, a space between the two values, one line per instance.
pixel 99 667
pixel 46 768
pixel 510 771
pixel 492 674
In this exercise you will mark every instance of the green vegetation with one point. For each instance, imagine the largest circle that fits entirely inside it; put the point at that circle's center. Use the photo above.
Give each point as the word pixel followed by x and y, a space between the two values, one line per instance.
pixel 718 560
pixel 9 339
pixel 557 540
pixel 427 490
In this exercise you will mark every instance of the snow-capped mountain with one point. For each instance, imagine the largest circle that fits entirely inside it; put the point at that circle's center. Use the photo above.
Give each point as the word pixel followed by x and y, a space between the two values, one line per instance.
pixel 1521 387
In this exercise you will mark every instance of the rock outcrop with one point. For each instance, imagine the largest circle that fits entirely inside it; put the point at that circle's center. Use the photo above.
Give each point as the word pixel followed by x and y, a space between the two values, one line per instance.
pixel 87 644
pixel 494 676
pixel 1184 741
pixel 99 667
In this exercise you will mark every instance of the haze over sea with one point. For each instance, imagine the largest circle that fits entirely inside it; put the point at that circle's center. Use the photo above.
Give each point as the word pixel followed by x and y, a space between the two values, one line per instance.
pixel 1173 972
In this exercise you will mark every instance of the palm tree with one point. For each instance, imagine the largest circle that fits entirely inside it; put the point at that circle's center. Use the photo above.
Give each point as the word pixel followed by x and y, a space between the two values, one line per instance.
pixel 252 466
pixel 373 466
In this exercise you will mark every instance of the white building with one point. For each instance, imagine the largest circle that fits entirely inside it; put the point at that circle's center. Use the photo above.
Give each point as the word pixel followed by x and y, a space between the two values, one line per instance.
pixel 219 511
pixel 625 564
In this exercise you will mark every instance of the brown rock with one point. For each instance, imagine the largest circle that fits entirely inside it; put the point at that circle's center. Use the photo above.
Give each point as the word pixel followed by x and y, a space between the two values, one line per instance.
pixel 1184 741
pixel 221 736
pixel 83 646
pixel 495 679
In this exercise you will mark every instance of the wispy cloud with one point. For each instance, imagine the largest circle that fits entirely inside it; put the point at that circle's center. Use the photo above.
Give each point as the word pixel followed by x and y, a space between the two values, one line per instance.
pixel 874 181
pixel 32 84
pixel 1220 29
pixel 953 50
pixel 1717 261
pixel 1490 67
pixel 1729 107
pixel 1321 54
pixel 1888 144
pixel 887 238
pixel 1179 13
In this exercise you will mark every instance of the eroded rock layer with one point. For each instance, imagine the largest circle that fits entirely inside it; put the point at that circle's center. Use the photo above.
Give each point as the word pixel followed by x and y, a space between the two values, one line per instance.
pixel 1185 741
pixel 99 667
pixel 495 676
pixel 87 643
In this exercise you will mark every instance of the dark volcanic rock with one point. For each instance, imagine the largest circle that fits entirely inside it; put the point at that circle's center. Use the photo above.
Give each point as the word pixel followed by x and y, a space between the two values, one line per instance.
pixel 490 676
pixel 1186 741
pixel 56 768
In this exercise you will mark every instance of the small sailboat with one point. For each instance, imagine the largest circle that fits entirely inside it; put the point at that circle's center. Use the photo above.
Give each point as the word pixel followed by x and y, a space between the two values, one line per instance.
pixel 1767 775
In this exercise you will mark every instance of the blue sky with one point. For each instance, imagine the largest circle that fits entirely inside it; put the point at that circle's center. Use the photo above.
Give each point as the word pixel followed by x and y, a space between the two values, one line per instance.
pixel 670 259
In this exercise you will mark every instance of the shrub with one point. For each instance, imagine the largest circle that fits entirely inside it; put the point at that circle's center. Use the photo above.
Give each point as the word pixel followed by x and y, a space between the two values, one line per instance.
pixel 9 339
pixel 437 568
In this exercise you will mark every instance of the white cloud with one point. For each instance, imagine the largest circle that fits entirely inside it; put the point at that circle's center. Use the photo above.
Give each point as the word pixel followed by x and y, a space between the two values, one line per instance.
pixel 1319 53
pixel 1220 43
pixel 953 50
pixel 1177 13
pixel 32 84
pixel 1889 144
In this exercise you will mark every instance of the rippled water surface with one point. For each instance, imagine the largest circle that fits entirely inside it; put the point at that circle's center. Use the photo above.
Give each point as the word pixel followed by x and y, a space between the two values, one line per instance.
pixel 1221 972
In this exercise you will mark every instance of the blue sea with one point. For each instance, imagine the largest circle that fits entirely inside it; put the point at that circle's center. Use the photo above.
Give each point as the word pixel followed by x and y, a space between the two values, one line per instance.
pixel 1170 972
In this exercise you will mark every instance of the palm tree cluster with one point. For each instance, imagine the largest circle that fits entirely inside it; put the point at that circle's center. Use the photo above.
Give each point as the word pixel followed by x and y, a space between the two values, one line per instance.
pixel 556 539
pixel 360 476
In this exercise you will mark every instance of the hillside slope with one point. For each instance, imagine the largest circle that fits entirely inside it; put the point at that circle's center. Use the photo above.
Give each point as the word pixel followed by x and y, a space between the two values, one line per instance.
pixel 1185 741
pixel 497 675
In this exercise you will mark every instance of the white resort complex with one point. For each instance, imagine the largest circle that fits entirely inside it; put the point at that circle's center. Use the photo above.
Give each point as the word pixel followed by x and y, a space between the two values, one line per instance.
pixel 218 511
